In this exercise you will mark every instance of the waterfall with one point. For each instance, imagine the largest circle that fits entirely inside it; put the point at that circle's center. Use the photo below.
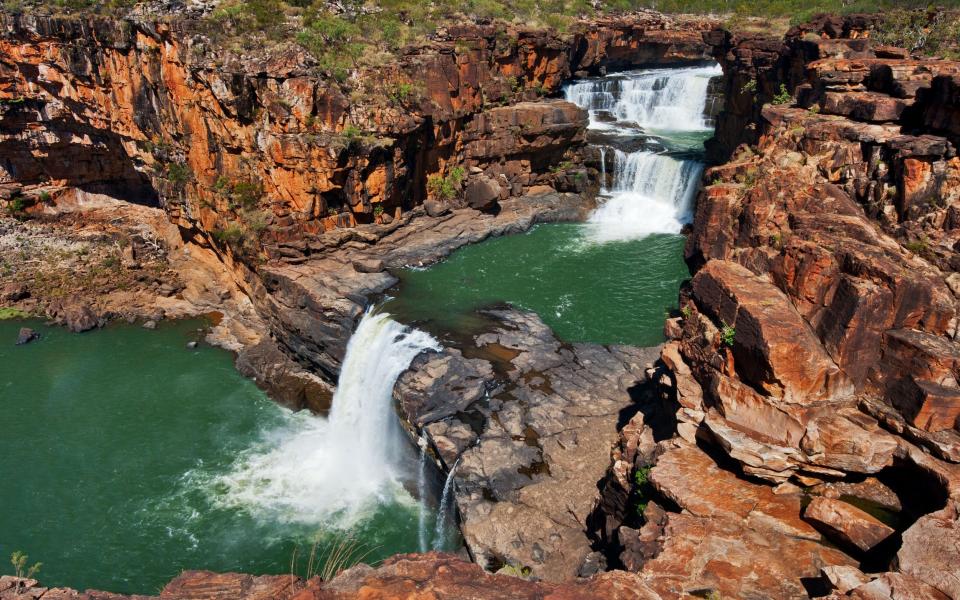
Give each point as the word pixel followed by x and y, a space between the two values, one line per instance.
pixel 440 534
pixel 667 99
pixel 603 169
pixel 652 191
pixel 316 470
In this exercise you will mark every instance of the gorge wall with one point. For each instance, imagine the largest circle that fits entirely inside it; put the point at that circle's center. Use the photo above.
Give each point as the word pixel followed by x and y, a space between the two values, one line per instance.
pixel 812 372
pixel 815 360
pixel 269 165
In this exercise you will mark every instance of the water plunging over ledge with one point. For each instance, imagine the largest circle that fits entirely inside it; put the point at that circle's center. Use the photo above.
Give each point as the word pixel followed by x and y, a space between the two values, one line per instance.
pixel 616 277
pixel 129 458
pixel 338 469
pixel 653 188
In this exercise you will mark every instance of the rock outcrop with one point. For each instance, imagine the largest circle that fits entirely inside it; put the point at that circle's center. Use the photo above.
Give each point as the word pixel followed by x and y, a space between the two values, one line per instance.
pixel 812 375
pixel 153 112
pixel 526 422
pixel 433 575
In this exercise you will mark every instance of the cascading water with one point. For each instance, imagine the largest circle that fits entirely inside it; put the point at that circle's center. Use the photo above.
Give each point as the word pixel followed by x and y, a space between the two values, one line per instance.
pixel 332 470
pixel 658 99
pixel 652 190
pixel 443 516
pixel 422 492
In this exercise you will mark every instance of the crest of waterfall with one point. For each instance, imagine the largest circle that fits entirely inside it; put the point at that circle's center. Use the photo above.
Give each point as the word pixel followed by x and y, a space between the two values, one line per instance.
pixel 661 99
pixel 316 470
pixel 652 192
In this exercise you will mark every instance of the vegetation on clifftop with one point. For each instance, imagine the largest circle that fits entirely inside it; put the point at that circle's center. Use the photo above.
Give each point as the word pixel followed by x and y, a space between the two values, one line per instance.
pixel 354 33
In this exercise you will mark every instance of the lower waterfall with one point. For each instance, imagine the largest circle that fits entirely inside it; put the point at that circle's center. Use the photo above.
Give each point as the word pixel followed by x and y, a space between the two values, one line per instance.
pixel 332 470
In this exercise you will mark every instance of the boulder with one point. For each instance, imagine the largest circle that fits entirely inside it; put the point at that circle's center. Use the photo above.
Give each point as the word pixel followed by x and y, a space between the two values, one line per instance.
pixel 846 523
pixel 928 405
pixel 26 336
pixel 435 208
pixel 844 578
pixel 482 193
pixel 896 586
pixel 733 537
pixel 79 318
pixel 768 334
pixel 368 265
pixel 930 550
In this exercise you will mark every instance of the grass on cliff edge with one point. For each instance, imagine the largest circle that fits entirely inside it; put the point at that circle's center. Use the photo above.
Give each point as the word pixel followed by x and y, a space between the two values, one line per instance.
pixel 367 32
pixel 349 34
pixel 12 313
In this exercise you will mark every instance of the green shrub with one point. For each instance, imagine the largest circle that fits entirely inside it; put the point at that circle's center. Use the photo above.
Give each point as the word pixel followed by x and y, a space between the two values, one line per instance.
pixel 247 193
pixel 16 205
pixel 784 97
pixel 255 221
pixel 924 31
pixel 727 335
pixel 515 570
pixel 401 93
pixel 178 174
pixel 749 87
pixel 7 313
pixel 20 569
pixel 918 247
pixel 231 235
pixel 641 491
pixel 445 188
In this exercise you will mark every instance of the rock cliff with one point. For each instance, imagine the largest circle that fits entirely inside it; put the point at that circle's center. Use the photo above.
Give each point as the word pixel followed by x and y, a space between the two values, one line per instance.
pixel 800 433
pixel 812 372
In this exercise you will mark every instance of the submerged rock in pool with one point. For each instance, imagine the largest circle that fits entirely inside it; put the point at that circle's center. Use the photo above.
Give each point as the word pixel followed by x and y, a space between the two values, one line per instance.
pixel 26 336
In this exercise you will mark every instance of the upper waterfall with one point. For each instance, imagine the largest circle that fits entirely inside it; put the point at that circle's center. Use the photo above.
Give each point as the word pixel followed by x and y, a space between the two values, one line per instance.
pixel 314 470
pixel 652 190
pixel 660 99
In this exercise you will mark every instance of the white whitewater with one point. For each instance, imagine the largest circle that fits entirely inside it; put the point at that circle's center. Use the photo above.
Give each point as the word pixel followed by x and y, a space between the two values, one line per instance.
pixel 651 192
pixel 660 99
pixel 313 470
pixel 422 492
pixel 443 514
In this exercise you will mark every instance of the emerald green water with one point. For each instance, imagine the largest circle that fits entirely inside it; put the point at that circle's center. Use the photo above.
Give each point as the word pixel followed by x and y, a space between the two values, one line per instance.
pixel 126 458
pixel 611 293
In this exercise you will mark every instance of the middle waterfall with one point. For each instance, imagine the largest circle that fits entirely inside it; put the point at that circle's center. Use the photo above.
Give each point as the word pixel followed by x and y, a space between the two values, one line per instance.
pixel 653 187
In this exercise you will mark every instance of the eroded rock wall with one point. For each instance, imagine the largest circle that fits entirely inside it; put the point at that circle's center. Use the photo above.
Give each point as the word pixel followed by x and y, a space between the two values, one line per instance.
pixel 812 373
pixel 155 112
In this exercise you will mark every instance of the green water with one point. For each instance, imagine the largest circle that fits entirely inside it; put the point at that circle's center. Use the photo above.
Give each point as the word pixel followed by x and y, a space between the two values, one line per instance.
pixel 125 456
pixel 613 293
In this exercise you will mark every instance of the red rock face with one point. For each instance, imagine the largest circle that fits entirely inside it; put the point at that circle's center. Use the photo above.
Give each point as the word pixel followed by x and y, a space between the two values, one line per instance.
pixel 847 523
pixel 819 333
pixel 150 113
pixel 433 575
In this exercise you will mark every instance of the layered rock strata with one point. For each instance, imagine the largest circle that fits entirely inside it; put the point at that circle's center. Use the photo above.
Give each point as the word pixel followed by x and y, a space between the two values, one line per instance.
pixel 812 372
pixel 526 423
